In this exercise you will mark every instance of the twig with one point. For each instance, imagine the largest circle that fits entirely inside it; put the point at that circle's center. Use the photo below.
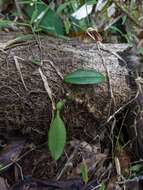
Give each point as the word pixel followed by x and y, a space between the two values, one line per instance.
pixel 56 69
pixel 128 14
pixel 20 39
pixel 102 46
pixel 20 169
pixel 22 156
pixel 67 163
pixel 111 136
pixel 121 108
pixel 108 75
pixel 19 70
pixel 99 46
pixel 112 22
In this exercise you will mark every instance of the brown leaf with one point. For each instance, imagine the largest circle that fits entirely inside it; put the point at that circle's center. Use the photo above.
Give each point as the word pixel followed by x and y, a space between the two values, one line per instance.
pixel 10 154
pixel 124 160
pixel 3 185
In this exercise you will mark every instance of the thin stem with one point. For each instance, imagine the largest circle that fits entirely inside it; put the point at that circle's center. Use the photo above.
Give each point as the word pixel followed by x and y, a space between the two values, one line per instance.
pixel 128 14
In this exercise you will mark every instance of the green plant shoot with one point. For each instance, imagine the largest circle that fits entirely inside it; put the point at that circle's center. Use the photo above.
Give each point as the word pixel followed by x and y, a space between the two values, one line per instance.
pixel 57 134
pixel 84 172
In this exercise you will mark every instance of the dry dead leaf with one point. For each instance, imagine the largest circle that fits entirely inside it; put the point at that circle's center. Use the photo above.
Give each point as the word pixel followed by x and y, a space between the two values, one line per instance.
pixel 47 88
pixel 3 185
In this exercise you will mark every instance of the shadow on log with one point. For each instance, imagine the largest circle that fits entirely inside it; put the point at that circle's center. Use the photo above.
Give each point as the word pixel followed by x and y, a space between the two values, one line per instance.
pixel 24 102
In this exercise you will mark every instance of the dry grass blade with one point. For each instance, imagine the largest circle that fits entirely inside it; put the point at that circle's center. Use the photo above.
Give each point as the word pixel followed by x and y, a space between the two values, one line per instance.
pixel 100 46
pixel 47 88
pixel 56 69
pixel 3 46
pixel 3 185
pixel 17 40
pixel 122 107
pixel 118 168
pixel 19 70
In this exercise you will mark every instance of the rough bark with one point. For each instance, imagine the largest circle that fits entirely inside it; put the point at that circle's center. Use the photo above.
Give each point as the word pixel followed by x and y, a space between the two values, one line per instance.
pixel 134 119
pixel 87 106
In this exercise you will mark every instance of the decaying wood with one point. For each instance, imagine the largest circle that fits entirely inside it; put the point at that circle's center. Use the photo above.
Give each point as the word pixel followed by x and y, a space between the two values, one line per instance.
pixel 24 101
pixel 134 118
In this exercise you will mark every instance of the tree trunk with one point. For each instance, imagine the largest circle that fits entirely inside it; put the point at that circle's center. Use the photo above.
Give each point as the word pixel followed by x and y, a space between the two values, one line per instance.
pixel 24 101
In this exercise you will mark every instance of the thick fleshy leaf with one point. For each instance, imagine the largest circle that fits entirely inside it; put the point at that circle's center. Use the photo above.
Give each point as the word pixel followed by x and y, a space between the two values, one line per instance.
pixel 57 136
pixel 84 77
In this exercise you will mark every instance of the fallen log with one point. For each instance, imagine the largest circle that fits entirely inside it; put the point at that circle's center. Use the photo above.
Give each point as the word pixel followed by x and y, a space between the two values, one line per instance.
pixel 134 118
pixel 26 68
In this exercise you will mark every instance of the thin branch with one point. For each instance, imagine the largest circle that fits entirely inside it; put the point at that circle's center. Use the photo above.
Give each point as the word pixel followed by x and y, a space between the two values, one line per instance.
pixel 122 8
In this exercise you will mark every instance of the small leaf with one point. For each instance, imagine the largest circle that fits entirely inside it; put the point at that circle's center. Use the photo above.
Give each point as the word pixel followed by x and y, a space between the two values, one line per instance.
pixel 5 23
pixel 84 172
pixel 34 16
pixel 100 5
pixel 23 38
pixel 136 168
pixel 67 25
pixel 44 18
pixel 57 136
pixel 84 77
pixel 36 61
pixel 60 105
pixel 140 51
pixel 83 11
pixel 111 10
pixel 62 7
pixel 102 187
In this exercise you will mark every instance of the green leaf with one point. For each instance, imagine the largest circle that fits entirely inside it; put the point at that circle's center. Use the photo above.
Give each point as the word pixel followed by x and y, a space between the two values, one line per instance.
pixel 23 38
pixel 43 17
pixel 84 172
pixel 63 6
pixel 36 61
pixel 115 30
pixel 57 135
pixel 91 2
pixel 136 168
pixel 140 51
pixel 84 77
pixel 34 15
pixel 1 167
pixel 5 23
pixel 102 187
pixel 67 25
pixel 60 105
